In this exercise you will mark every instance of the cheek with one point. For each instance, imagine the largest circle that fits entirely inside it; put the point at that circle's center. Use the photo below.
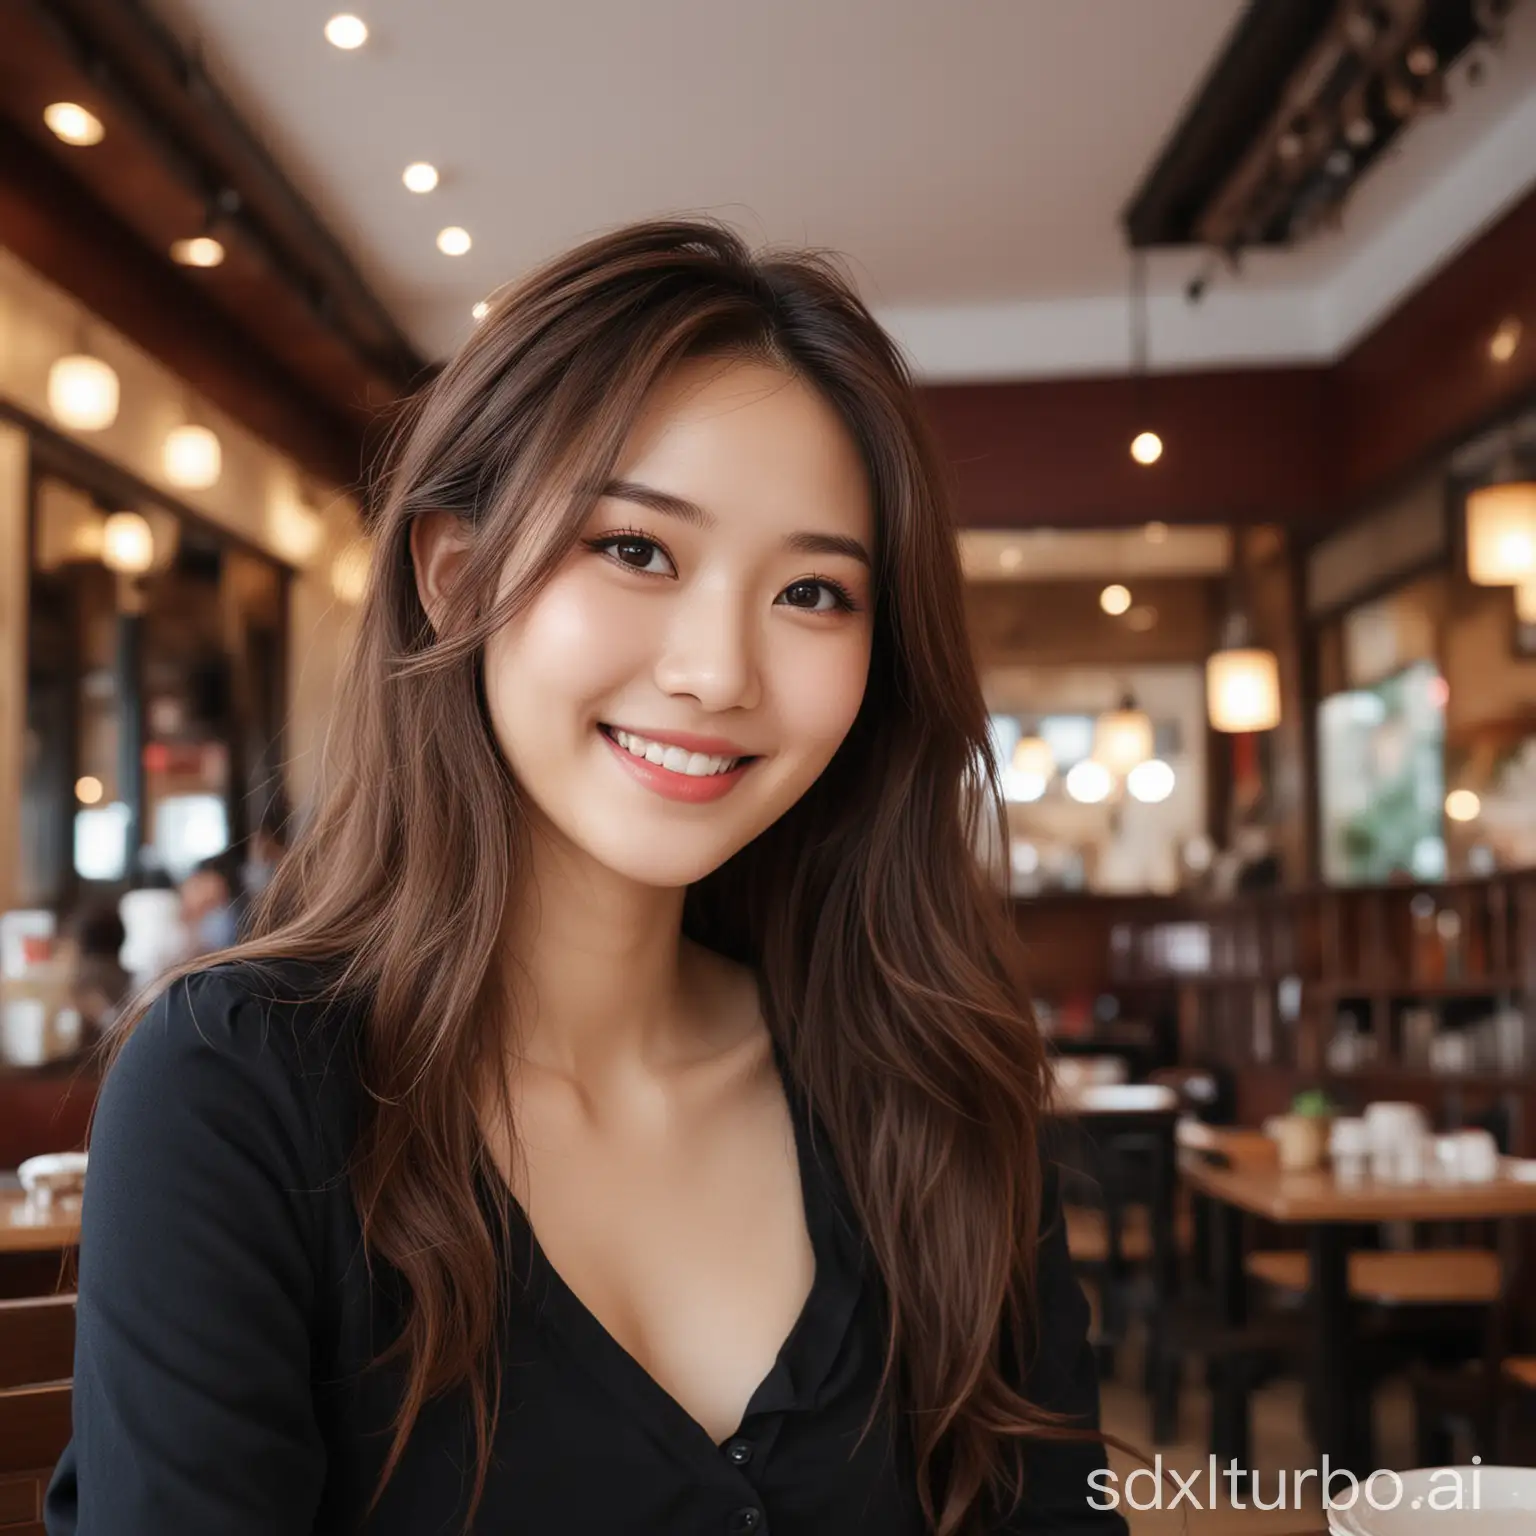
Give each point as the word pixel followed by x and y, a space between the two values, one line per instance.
pixel 564 650
pixel 819 692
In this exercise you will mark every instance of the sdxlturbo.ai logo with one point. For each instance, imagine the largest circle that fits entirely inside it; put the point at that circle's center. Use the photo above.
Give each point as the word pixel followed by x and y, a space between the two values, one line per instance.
pixel 1450 1489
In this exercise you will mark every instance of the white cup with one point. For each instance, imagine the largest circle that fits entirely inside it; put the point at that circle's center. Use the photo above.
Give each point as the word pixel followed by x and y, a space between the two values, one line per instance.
pixel 1477 1156
pixel 24 1032
pixel 1397 1133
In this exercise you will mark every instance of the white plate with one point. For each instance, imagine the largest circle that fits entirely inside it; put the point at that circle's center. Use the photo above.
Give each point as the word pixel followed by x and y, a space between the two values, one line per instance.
pixel 1522 1169
pixel 1495 1501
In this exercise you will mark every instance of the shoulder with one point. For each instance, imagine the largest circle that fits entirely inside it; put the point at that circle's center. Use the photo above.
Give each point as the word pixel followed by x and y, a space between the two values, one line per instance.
pixel 243 1035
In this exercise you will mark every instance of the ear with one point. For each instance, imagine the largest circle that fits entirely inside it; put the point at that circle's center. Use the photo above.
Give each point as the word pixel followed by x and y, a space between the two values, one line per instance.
pixel 439 543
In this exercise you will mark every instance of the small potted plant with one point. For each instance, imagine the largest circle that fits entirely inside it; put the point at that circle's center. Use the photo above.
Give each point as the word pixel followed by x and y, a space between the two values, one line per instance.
pixel 1302 1135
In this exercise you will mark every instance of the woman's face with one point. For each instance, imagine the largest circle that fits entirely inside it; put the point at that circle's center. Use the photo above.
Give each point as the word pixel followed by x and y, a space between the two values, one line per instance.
pixel 714 615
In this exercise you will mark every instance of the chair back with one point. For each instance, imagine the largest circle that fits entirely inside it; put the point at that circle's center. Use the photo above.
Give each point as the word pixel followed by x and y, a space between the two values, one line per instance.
pixel 37 1340
pixel 34 1429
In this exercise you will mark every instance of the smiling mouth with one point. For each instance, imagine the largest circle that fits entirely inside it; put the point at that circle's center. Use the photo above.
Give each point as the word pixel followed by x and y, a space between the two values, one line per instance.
pixel 678 760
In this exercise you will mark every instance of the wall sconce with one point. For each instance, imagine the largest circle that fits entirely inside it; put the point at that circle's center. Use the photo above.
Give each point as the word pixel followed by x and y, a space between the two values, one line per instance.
pixel 127 544
pixel 192 457
pixel 83 392
pixel 1501 534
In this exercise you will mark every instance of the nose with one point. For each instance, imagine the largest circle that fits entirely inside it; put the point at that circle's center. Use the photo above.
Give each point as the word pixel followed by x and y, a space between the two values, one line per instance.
pixel 709 651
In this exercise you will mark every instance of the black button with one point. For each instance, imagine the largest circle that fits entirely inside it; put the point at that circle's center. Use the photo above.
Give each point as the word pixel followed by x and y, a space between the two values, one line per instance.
pixel 745 1520
pixel 739 1451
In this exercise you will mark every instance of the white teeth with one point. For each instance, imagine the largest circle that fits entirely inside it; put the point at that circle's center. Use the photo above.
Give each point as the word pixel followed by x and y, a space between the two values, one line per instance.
pixel 696 765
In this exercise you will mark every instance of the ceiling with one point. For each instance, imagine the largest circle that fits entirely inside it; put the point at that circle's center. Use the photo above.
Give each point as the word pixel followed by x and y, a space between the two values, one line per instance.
pixel 971 159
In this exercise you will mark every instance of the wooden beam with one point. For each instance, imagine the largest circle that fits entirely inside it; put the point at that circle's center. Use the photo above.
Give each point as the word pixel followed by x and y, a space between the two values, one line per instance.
pixel 53 225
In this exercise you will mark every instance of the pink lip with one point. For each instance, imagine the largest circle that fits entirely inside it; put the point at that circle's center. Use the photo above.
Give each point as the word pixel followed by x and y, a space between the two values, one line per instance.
pixel 680 786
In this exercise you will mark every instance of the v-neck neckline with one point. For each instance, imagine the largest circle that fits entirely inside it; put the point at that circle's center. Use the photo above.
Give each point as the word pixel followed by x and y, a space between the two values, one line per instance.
pixel 805 1356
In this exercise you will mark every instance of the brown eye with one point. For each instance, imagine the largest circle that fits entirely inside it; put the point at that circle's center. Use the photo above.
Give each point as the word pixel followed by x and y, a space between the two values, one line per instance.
pixel 635 553
pixel 818 596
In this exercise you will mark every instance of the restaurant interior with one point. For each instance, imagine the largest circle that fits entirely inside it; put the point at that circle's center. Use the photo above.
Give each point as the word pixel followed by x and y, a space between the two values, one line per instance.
pixel 1223 313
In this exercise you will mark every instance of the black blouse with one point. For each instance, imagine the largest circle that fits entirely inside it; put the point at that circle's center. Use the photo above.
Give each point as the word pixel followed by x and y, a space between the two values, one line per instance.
pixel 226 1317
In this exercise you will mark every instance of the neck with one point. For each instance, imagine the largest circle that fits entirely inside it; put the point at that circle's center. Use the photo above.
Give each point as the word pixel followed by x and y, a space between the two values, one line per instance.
pixel 600 971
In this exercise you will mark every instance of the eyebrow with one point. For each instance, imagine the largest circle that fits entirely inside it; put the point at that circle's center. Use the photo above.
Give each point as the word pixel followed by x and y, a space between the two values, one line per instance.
pixel 805 542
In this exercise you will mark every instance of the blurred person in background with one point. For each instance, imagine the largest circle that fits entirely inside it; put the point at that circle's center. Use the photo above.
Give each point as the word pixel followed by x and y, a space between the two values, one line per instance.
pixel 99 984
pixel 213 904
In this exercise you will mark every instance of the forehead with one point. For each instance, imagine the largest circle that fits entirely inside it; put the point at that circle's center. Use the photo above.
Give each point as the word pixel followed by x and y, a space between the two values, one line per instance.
pixel 744 437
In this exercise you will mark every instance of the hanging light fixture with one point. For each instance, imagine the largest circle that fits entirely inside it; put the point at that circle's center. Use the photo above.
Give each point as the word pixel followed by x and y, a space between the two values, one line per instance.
pixel 1146 445
pixel 83 392
pixel 1242 682
pixel 1033 756
pixel 1122 738
pixel 192 457
pixel 127 544
pixel 1501 533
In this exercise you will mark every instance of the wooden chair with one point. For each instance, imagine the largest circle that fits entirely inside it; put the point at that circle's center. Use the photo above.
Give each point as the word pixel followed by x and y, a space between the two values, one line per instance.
pixel 1235 1354
pixel 34 1429
pixel 1423 1277
pixel 37 1340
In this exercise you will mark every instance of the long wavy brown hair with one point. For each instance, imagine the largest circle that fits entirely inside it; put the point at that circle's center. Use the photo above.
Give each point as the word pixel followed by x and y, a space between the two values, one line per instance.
pixel 887 960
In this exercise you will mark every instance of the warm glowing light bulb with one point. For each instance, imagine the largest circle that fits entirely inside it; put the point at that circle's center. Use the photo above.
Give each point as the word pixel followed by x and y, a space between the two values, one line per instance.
pixel 481 310
pixel 73 124
pixel 83 393
pixel 199 251
pixel 453 241
pixel 1463 805
pixel 346 31
pixel 419 176
pixel 1505 341
pixel 88 790
pixel 192 457
pixel 1115 599
pixel 1150 782
pixel 127 544
pixel 1146 447
pixel 1089 782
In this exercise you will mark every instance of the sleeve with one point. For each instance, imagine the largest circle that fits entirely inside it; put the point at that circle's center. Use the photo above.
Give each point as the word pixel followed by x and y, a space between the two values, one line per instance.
pixel 192 1404
pixel 1067 1489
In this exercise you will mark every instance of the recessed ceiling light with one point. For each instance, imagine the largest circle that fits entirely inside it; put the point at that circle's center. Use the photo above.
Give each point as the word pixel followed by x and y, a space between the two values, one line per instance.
pixel 346 31
pixel 453 241
pixel 199 251
pixel 1146 447
pixel 1115 599
pixel 1504 342
pixel 481 310
pixel 419 176
pixel 73 123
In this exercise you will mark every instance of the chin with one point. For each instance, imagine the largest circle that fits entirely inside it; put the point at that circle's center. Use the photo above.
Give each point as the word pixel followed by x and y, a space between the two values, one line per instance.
pixel 660 858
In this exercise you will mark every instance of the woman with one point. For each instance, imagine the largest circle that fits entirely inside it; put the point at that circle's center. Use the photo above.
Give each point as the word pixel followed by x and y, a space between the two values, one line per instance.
pixel 624 1118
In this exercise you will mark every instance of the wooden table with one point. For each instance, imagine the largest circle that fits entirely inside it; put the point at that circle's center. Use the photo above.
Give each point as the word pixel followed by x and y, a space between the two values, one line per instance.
pixel 1330 1210
pixel 27 1227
